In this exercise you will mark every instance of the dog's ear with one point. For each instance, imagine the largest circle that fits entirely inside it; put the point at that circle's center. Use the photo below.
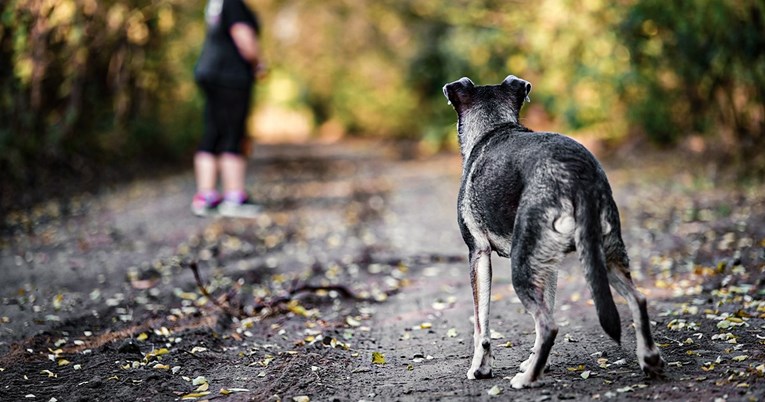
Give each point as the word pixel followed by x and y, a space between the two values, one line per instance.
pixel 519 88
pixel 459 93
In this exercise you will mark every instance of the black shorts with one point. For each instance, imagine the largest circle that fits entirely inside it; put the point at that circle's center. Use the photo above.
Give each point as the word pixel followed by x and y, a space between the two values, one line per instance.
pixel 226 111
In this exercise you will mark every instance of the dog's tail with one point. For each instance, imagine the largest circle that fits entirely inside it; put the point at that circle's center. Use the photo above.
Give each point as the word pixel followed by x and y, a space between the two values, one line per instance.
pixel 589 245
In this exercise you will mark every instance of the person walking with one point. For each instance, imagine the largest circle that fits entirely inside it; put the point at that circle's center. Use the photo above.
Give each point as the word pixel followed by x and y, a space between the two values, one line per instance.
pixel 226 71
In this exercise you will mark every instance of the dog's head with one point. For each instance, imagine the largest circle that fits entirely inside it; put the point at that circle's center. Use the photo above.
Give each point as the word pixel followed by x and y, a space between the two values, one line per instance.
pixel 480 108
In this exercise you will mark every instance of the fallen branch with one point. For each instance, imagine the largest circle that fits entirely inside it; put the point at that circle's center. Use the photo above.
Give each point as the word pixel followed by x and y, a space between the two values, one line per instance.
pixel 342 290
pixel 225 307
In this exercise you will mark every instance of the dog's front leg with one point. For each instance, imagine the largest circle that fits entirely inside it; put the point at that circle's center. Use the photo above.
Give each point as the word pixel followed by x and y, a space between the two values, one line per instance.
pixel 480 279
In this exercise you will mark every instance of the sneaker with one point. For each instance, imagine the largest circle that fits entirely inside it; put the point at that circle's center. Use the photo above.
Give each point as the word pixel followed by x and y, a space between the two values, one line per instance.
pixel 238 205
pixel 205 204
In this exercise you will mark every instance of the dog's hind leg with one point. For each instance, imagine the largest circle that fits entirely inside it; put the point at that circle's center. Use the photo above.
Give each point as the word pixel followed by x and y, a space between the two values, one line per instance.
pixel 480 279
pixel 619 276
pixel 536 253
pixel 551 284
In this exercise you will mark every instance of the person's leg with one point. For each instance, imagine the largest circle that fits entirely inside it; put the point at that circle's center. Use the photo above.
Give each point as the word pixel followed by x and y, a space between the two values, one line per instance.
pixel 205 171
pixel 233 163
pixel 233 167
pixel 206 197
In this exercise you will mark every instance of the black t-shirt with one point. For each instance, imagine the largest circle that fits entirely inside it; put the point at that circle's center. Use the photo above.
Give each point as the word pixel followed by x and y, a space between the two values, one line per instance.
pixel 220 62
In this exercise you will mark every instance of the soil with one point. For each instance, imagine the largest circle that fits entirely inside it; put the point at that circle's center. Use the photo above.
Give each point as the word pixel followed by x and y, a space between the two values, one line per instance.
pixel 352 285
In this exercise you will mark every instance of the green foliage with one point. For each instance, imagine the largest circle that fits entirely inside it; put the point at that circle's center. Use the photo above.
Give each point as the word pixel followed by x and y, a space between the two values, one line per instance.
pixel 697 67
pixel 88 77
pixel 113 78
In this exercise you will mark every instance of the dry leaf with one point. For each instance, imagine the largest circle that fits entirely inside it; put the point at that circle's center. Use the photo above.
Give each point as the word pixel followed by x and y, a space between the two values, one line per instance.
pixel 494 391
pixel 378 358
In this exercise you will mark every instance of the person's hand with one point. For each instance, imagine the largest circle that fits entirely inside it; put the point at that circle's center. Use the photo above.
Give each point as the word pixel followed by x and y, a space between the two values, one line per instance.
pixel 260 69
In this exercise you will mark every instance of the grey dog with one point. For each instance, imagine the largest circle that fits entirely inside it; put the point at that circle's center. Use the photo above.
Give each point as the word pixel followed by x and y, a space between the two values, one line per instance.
pixel 532 197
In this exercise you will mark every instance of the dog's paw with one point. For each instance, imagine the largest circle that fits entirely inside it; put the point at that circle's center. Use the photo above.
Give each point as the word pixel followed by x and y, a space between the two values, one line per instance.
pixel 526 363
pixel 479 373
pixel 523 380
pixel 653 365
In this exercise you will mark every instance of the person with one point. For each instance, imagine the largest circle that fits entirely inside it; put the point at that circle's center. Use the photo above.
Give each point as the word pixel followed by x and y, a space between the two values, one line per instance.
pixel 225 71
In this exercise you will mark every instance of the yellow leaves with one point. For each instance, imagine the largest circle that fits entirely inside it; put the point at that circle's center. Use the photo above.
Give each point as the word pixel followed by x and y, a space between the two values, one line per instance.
pixel 154 354
pixel 426 325
pixel 63 362
pixel 295 307
pixel 161 367
pixel 142 336
pixel 494 391
pixel 378 358
pixel 577 368
pixel 680 324
pixel 740 358
pixel 49 373
pixel 194 395
pixel 229 391
pixel 58 301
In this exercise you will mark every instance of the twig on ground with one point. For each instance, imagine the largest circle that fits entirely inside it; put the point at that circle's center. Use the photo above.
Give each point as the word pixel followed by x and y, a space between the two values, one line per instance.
pixel 342 290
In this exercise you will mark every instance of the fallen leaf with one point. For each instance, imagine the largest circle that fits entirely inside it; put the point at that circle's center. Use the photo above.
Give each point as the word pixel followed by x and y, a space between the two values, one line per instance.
pixel 740 358
pixel 451 333
pixel 585 374
pixel 195 395
pixel 203 387
pixel 301 398
pixel 378 358
pixel 494 391
pixel 155 353
pixel 199 380
pixel 227 391
pixel 577 368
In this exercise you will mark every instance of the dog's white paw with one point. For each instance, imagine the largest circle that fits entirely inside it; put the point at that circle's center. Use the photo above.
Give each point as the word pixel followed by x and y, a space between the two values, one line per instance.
pixel 523 380
pixel 525 365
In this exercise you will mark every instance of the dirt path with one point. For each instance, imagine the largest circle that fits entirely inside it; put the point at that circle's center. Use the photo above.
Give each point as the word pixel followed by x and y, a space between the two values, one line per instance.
pixel 98 302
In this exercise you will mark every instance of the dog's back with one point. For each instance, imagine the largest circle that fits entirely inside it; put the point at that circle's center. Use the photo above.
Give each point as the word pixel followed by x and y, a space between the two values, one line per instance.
pixel 512 166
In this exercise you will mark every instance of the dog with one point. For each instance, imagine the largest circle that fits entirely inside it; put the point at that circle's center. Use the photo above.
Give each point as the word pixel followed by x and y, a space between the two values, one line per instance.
pixel 532 197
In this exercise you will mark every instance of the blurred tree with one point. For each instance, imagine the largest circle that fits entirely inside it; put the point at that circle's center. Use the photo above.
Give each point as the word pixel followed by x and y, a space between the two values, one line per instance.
pixel 698 68
pixel 88 79
pixel 85 78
